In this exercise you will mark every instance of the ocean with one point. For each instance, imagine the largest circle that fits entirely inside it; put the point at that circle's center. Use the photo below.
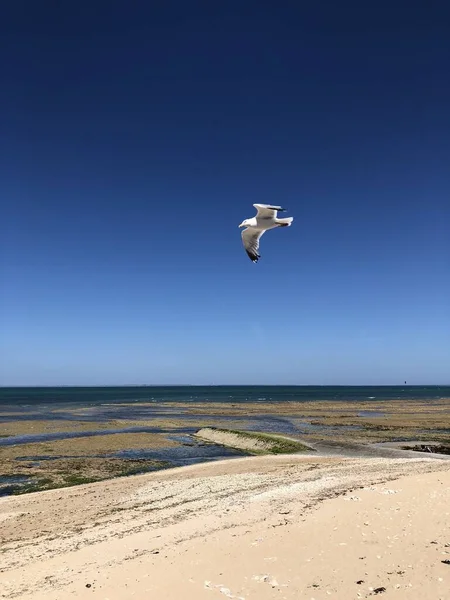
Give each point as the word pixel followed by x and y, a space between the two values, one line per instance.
pixel 90 396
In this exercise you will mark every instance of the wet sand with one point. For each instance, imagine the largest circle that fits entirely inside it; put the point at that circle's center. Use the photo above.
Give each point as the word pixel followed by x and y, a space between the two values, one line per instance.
pixel 366 417
pixel 31 427
pixel 280 527
pixel 86 446
pixel 338 427
pixel 356 421
pixel 72 461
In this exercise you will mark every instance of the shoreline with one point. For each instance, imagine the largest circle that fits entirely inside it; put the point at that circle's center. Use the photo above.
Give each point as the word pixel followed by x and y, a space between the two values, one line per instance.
pixel 124 537
pixel 97 442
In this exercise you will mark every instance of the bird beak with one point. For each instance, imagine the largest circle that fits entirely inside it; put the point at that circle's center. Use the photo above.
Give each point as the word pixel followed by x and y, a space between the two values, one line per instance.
pixel 241 225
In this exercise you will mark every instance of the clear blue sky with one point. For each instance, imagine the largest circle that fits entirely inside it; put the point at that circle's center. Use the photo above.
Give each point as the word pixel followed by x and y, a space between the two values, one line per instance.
pixel 135 137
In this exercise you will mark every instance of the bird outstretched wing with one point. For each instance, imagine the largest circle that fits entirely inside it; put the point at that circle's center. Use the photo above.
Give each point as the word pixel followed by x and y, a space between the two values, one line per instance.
pixel 250 239
pixel 267 211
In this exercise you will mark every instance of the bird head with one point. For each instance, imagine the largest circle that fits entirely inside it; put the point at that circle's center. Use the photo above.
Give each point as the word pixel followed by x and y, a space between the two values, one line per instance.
pixel 244 223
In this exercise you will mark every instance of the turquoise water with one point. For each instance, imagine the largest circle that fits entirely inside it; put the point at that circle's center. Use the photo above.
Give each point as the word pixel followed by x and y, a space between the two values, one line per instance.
pixel 89 396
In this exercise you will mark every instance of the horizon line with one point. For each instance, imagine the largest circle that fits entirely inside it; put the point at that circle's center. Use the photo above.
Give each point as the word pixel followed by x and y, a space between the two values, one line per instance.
pixel 154 385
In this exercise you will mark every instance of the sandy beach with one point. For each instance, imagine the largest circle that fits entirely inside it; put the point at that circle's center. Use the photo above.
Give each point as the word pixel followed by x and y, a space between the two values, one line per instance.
pixel 285 527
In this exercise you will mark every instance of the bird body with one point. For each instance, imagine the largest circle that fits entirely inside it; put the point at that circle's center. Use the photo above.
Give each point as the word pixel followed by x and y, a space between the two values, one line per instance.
pixel 265 219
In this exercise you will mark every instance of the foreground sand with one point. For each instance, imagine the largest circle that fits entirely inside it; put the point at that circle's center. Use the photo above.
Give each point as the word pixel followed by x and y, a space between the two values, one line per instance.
pixel 256 528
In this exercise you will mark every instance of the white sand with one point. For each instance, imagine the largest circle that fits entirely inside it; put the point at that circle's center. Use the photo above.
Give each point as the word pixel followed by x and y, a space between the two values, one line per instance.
pixel 253 528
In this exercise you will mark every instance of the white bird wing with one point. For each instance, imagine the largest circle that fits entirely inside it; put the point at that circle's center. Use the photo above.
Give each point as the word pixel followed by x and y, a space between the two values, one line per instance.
pixel 267 211
pixel 250 239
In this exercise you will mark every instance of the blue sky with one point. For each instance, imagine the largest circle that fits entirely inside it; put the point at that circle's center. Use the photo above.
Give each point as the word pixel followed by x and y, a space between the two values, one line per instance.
pixel 137 136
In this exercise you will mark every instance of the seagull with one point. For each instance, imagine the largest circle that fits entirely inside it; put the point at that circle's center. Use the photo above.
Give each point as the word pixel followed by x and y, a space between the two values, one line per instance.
pixel 266 218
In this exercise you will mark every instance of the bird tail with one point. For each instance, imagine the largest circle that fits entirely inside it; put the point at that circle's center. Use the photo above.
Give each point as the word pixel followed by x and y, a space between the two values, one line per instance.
pixel 287 222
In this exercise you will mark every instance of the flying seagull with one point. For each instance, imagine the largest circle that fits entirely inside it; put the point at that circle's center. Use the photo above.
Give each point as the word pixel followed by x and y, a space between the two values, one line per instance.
pixel 266 218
